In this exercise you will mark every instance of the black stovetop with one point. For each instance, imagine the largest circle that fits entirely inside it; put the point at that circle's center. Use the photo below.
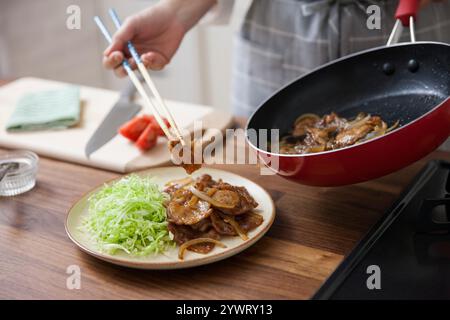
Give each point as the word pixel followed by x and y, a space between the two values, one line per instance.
pixel 406 255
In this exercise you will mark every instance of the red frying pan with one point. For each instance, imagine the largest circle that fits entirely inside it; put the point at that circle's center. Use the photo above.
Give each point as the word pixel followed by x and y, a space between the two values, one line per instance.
pixel 409 82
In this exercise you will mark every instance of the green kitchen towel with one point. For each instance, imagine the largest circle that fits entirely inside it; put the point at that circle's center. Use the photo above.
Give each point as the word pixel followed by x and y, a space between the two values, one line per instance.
pixel 53 109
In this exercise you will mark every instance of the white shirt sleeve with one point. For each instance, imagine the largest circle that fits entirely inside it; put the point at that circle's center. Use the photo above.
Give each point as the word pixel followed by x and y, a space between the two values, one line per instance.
pixel 219 14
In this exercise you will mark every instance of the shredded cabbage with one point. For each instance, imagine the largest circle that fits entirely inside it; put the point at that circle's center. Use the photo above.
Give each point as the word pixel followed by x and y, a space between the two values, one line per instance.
pixel 129 215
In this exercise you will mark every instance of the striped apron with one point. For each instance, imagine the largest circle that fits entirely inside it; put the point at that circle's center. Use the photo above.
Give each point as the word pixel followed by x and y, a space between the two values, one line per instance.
pixel 282 39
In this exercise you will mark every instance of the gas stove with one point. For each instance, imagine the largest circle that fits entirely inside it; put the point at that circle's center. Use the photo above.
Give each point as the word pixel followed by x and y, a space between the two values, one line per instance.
pixel 406 255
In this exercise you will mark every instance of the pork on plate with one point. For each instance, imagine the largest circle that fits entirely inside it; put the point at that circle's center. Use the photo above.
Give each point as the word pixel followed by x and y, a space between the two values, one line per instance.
pixel 202 211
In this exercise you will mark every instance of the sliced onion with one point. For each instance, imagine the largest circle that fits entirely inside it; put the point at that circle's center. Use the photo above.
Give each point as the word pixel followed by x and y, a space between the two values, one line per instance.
pixel 357 123
pixel 360 116
pixel 192 242
pixel 394 126
pixel 211 192
pixel 235 225
pixel 379 131
pixel 306 115
pixel 193 201
pixel 315 149
pixel 180 182
pixel 208 199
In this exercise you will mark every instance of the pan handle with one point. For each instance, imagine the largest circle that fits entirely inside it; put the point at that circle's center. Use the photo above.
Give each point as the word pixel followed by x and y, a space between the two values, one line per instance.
pixel 405 10
pixel 406 15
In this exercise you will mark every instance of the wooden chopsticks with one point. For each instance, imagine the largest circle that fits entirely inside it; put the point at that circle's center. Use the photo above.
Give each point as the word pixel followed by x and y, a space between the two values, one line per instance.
pixel 141 67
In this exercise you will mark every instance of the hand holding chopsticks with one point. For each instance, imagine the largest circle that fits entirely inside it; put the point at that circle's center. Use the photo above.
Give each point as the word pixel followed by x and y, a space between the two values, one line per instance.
pixel 148 80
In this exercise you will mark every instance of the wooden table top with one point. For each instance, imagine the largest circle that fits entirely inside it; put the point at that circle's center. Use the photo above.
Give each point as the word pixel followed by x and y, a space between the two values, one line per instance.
pixel 313 230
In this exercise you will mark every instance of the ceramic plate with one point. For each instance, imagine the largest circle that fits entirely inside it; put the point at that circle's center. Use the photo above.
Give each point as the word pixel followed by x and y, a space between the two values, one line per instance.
pixel 169 259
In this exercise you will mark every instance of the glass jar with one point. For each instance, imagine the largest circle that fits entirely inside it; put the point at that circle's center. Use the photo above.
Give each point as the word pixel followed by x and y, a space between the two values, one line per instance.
pixel 22 178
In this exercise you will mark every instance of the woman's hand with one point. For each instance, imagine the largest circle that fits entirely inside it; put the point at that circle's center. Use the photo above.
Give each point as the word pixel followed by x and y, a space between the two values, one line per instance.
pixel 155 32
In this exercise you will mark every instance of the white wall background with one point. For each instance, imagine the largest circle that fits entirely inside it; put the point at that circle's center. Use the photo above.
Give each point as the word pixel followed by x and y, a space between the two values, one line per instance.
pixel 34 41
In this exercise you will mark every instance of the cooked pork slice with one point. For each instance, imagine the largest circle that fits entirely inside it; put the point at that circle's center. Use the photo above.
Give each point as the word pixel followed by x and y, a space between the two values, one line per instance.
pixel 353 134
pixel 203 225
pixel 186 209
pixel 332 120
pixel 350 136
pixel 301 126
pixel 182 234
pixel 330 132
pixel 189 166
pixel 230 198
pixel 318 136
pixel 249 221
pixel 203 182
pixel 221 226
pixel 174 185
pixel 245 203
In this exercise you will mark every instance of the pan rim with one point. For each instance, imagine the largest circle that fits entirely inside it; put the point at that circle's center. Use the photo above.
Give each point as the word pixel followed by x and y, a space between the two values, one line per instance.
pixel 325 66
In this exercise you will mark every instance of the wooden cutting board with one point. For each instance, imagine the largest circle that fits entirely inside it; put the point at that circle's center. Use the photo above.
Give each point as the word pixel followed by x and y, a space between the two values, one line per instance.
pixel 117 155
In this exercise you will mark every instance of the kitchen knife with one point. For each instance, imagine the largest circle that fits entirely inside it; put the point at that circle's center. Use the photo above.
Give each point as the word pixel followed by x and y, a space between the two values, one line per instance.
pixel 121 112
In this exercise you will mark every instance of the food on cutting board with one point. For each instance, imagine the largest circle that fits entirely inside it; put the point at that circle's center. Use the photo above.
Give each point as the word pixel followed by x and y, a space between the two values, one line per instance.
pixel 143 130
pixel 134 215
pixel 311 133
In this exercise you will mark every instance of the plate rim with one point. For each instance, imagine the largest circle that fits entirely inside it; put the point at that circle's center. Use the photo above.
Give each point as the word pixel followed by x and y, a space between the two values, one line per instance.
pixel 167 265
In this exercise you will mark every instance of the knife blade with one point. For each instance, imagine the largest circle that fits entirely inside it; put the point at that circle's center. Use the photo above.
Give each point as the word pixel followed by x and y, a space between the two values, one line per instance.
pixel 122 111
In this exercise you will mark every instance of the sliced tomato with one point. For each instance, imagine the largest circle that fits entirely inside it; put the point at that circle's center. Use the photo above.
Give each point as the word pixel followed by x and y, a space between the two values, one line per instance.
pixel 133 129
pixel 149 117
pixel 148 138
pixel 152 120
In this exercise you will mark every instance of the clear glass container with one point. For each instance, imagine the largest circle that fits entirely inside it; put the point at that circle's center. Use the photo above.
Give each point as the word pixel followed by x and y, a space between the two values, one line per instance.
pixel 22 178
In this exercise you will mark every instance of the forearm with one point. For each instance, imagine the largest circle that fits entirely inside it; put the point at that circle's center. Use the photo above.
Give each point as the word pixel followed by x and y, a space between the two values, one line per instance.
pixel 190 11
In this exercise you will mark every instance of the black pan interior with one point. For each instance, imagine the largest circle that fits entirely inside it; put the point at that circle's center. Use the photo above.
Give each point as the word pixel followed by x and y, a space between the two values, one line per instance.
pixel 359 83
